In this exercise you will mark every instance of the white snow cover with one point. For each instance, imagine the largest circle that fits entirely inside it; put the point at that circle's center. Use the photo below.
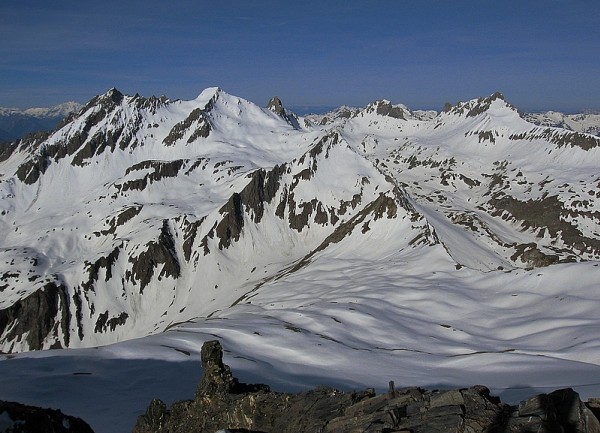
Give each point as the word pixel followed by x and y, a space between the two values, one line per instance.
pixel 587 122
pixel 419 297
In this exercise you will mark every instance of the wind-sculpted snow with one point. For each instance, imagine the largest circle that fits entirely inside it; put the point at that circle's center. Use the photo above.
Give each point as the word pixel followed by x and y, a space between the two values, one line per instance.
pixel 418 242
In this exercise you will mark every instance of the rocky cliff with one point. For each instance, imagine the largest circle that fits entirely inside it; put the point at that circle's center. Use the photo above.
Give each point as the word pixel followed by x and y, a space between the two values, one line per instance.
pixel 222 403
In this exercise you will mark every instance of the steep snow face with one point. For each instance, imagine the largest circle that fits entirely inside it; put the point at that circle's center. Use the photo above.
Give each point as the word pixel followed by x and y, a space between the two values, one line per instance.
pixel 140 214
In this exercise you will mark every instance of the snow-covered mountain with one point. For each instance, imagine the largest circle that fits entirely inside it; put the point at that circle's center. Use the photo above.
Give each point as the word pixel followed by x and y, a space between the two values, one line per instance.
pixel 347 248
pixel 141 213
pixel 588 122
pixel 14 122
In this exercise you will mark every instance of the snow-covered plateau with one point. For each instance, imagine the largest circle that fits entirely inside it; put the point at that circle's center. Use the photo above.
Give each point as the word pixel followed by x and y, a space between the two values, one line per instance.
pixel 349 249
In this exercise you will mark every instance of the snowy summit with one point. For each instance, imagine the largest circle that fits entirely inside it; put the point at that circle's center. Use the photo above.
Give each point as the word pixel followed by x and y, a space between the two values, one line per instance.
pixel 349 249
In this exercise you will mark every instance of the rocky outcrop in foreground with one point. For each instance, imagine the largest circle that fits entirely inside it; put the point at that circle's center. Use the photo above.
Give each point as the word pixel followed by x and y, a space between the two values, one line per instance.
pixel 19 418
pixel 223 403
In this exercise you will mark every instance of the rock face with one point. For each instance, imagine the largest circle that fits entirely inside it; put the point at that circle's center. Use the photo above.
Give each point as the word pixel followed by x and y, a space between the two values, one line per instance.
pixel 42 313
pixel 222 403
pixel 19 418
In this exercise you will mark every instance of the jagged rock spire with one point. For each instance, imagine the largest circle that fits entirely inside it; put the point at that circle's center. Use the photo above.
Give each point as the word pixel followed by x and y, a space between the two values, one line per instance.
pixel 276 106
pixel 217 378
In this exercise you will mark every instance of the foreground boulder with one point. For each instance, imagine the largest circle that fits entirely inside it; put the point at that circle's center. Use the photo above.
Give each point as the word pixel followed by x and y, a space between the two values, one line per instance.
pixel 19 418
pixel 224 404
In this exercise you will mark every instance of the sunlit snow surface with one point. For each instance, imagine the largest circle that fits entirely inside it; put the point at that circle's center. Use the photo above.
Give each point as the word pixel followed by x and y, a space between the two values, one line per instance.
pixel 361 312
pixel 519 333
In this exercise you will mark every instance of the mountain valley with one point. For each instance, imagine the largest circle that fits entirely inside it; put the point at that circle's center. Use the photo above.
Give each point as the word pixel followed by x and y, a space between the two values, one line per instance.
pixel 449 248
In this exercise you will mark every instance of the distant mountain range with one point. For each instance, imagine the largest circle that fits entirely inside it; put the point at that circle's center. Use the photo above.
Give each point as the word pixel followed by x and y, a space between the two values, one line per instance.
pixel 14 123
pixel 588 122
pixel 138 213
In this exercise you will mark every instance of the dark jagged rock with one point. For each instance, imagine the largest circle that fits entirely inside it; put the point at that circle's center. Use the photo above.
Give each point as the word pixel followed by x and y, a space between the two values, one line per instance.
pixel 221 402
pixel 230 227
pixel 31 170
pixel 261 190
pixel 559 137
pixel 160 252
pixel 550 214
pixel 256 194
pixel 93 269
pixel 6 150
pixel 483 104
pixel 80 143
pixel 180 129
pixel 276 106
pixel 385 108
pixel 41 316
pixel 103 323
pixel 476 107
pixel 217 377
pixel 19 418
pixel 190 230
pixel 161 169
pixel 97 144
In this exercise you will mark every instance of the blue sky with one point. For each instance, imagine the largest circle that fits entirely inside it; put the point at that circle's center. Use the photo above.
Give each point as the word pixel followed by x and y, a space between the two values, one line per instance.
pixel 540 54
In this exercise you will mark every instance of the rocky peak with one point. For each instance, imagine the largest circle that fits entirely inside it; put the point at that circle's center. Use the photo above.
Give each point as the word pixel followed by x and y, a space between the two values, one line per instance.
pixel 107 100
pixel 276 106
pixel 217 378
pixel 114 95
pixel 384 107
pixel 475 107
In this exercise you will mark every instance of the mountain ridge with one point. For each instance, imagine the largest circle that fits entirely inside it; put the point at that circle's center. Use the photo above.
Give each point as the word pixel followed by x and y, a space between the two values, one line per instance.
pixel 167 211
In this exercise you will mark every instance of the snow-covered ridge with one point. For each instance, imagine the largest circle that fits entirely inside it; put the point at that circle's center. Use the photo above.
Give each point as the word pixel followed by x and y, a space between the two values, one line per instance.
pixel 357 244
pixel 136 212
pixel 588 123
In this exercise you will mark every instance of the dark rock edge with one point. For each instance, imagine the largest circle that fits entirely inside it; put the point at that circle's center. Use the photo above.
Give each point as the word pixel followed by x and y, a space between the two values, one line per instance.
pixel 20 418
pixel 223 403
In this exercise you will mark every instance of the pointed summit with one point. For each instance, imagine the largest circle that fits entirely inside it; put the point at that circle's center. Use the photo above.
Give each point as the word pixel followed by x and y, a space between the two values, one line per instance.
pixel 114 95
pixel 478 106
pixel 276 106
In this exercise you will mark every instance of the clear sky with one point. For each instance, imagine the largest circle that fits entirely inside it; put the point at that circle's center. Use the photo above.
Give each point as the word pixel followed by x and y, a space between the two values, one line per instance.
pixel 542 54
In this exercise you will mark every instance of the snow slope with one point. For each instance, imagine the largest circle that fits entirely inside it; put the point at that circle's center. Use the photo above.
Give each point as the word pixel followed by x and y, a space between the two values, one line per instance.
pixel 351 249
